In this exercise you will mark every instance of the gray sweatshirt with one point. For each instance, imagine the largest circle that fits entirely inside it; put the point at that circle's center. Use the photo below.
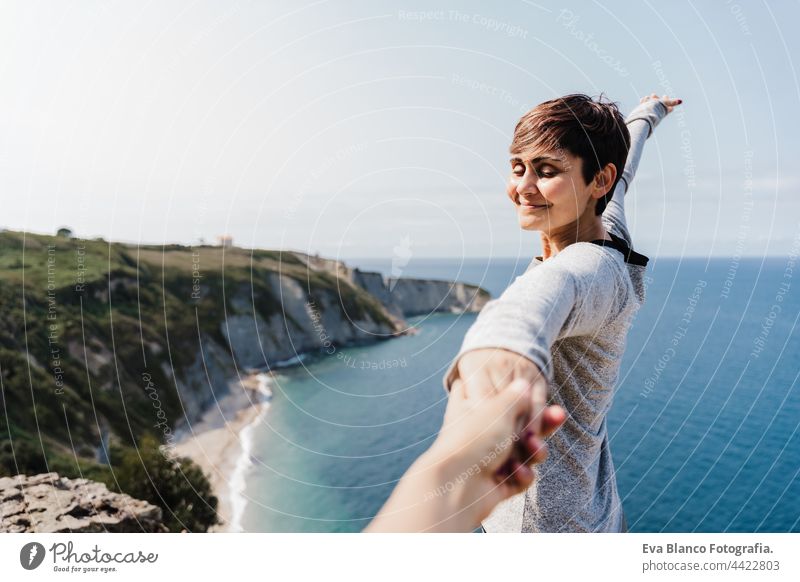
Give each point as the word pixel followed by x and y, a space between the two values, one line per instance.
pixel 570 315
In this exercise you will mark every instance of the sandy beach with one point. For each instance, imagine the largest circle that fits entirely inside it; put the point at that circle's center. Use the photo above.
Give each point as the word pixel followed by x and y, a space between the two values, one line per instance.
pixel 220 444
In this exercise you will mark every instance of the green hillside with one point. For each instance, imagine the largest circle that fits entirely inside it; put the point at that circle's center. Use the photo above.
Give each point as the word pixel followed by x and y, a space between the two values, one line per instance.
pixel 94 334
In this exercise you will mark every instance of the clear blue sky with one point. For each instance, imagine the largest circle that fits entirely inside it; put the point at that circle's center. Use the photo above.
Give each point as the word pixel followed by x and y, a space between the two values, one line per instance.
pixel 349 128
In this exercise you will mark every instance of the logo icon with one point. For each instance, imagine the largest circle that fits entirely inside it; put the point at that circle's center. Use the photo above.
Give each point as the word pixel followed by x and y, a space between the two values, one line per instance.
pixel 401 255
pixel 31 555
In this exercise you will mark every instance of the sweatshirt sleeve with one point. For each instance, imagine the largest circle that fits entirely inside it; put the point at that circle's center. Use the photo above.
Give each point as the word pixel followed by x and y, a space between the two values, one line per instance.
pixel 570 295
pixel 527 318
pixel 641 122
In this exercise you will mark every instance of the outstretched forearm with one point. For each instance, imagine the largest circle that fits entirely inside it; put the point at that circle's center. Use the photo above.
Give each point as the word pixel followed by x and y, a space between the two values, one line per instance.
pixel 641 122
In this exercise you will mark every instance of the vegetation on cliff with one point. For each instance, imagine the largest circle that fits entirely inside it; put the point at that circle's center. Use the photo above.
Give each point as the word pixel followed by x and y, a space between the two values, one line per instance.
pixel 96 339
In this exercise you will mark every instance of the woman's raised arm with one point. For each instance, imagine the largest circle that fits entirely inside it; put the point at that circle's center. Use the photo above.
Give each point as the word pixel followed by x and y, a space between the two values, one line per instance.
pixel 641 122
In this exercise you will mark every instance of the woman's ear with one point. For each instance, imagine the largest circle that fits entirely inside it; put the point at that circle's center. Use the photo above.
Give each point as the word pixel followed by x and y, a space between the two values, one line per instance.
pixel 603 180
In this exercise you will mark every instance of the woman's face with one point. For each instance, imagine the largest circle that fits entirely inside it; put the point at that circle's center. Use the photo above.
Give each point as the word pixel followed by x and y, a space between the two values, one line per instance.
pixel 548 190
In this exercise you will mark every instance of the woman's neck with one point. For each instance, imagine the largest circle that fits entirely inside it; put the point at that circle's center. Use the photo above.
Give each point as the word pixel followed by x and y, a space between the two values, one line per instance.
pixel 579 231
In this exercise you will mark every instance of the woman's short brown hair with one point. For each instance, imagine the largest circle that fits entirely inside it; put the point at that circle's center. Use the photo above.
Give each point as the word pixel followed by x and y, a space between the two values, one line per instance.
pixel 594 131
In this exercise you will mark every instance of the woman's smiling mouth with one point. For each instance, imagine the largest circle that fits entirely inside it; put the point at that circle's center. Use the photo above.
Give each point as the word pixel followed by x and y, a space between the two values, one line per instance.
pixel 529 206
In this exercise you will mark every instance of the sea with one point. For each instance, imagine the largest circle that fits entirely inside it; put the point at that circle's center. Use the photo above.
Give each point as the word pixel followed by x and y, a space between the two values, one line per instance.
pixel 704 427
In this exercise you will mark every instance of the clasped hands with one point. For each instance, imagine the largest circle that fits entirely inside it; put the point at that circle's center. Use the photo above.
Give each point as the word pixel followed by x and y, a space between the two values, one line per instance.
pixel 497 417
pixel 492 434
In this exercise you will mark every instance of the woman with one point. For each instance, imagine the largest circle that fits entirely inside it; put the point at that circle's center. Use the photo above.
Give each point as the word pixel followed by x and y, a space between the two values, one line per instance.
pixel 564 322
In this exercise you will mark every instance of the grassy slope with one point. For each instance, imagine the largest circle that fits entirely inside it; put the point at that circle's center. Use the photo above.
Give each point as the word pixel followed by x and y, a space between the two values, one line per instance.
pixel 72 358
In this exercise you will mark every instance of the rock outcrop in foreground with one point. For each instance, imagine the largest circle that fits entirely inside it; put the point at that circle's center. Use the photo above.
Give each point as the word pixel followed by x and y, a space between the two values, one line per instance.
pixel 48 503
pixel 110 343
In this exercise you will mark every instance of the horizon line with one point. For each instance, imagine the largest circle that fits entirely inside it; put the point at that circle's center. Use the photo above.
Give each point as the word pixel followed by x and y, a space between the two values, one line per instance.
pixel 346 258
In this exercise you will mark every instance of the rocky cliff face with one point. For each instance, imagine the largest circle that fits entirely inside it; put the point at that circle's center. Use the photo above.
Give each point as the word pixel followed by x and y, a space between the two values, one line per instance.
pixel 355 307
pixel 421 296
pixel 351 307
pixel 109 343
pixel 48 503
pixel 306 321
pixel 406 297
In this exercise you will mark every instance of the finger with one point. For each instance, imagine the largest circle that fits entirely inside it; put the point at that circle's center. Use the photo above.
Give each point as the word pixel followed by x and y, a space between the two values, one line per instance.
pixel 504 470
pixel 511 408
pixel 537 450
pixel 521 477
pixel 534 449
pixel 552 418
pixel 538 398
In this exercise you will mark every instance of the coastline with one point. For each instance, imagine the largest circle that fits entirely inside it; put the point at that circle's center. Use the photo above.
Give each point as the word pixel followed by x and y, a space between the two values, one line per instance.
pixel 221 442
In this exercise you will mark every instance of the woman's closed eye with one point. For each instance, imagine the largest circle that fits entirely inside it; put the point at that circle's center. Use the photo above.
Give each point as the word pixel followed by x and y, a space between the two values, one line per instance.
pixel 518 170
pixel 546 172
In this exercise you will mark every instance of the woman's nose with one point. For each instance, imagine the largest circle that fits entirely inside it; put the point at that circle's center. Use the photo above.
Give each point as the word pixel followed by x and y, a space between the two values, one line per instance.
pixel 527 184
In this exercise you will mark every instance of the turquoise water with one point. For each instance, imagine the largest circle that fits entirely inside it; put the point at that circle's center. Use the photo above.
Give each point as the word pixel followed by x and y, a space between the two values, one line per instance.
pixel 704 427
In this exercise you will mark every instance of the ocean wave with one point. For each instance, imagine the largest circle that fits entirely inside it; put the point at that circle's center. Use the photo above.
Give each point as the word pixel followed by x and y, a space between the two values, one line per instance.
pixel 238 480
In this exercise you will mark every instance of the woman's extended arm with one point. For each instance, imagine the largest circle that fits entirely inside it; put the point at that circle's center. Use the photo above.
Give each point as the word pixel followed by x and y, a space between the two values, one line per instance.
pixel 641 122
pixel 513 334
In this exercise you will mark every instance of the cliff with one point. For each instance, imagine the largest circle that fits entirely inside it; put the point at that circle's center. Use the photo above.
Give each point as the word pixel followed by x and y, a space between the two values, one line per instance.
pixel 421 296
pixel 407 297
pixel 102 343
pixel 48 503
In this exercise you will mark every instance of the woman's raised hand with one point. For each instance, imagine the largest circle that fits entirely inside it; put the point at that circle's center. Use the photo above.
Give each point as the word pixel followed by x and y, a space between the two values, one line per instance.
pixel 668 102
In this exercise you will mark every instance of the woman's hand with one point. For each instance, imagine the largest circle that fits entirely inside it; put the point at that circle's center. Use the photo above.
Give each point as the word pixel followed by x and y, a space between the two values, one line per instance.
pixel 482 456
pixel 496 438
pixel 668 102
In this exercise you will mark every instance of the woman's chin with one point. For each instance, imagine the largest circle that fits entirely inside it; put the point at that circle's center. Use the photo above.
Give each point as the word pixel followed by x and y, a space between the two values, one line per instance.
pixel 526 223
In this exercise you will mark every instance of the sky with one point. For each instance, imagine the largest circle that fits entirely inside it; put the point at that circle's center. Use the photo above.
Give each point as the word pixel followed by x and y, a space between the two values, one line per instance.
pixel 354 128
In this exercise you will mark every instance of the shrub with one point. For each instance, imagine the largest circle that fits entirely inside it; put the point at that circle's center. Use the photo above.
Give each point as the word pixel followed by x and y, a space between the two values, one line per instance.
pixel 177 485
